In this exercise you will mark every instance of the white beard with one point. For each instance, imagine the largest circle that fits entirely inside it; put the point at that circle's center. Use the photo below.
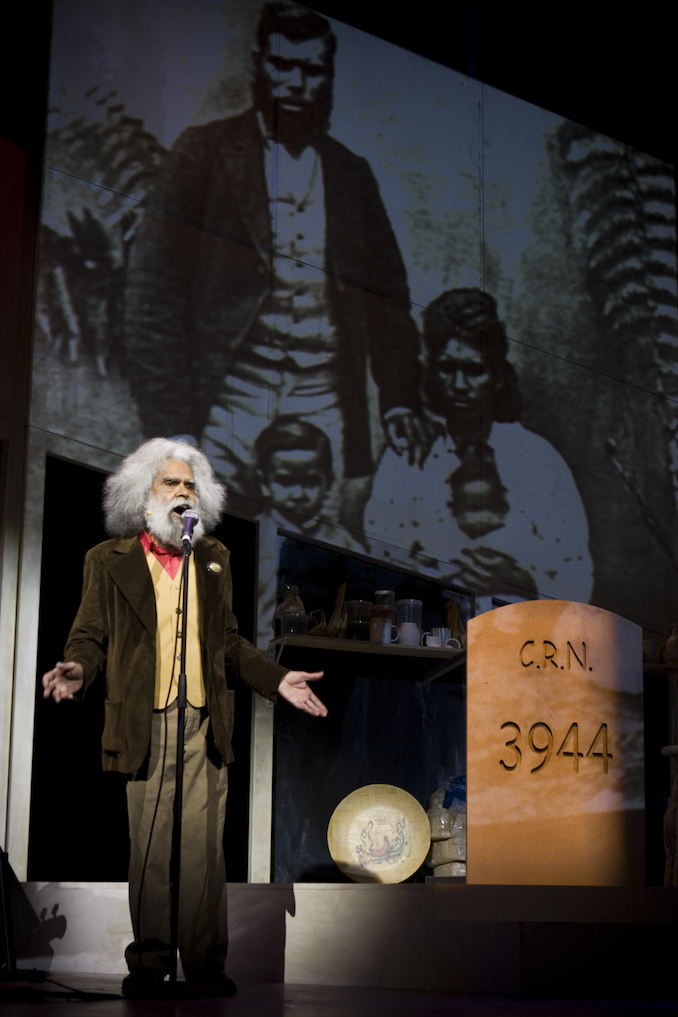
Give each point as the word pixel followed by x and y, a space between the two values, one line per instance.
pixel 165 524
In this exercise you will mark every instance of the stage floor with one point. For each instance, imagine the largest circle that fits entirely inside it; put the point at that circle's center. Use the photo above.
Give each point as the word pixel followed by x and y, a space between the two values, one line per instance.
pixel 348 942
pixel 319 1001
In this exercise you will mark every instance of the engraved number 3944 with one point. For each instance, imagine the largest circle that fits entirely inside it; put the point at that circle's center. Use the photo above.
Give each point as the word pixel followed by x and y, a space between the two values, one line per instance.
pixel 570 746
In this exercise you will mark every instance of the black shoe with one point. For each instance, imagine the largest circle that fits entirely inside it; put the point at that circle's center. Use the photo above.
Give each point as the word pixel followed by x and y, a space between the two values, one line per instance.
pixel 143 983
pixel 224 984
pixel 212 985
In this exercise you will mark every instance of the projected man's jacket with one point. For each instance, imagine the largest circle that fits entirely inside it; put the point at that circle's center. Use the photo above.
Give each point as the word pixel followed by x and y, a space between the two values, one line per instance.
pixel 200 271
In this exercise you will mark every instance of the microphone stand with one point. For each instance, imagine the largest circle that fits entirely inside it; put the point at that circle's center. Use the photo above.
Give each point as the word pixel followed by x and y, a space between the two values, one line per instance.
pixel 175 860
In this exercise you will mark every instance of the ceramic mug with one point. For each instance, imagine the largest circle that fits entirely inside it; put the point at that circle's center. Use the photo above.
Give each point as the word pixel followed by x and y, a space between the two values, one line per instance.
pixel 428 639
pixel 382 630
pixel 410 634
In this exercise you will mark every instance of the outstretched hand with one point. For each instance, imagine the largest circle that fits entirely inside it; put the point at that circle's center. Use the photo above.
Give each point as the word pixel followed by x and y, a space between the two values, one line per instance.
pixel 295 689
pixel 63 681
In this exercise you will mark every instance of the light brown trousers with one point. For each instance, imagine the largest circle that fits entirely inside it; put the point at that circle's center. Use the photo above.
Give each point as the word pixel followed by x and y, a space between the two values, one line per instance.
pixel 203 937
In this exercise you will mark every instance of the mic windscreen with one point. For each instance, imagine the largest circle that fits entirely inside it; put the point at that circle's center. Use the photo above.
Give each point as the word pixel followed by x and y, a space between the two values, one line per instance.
pixel 190 519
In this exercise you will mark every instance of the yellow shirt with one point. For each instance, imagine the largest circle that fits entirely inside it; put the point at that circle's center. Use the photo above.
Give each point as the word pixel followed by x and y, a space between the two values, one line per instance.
pixel 167 646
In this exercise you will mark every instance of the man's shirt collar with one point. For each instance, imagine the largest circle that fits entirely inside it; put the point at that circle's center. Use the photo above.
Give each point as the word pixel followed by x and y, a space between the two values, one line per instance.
pixel 170 560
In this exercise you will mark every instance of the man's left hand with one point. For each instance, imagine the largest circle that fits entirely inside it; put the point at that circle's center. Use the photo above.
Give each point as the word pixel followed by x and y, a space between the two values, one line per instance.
pixel 406 432
pixel 294 688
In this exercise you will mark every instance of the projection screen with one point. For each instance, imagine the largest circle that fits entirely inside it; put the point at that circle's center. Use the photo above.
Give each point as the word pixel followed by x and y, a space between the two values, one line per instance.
pixel 404 313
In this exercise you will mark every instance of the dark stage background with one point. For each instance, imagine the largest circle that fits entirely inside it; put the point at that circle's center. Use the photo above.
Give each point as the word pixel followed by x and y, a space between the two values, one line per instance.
pixel 612 73
pixel 78 812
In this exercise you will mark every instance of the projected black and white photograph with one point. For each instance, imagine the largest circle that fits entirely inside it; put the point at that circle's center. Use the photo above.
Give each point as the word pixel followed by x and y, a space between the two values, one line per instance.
pixel 402 312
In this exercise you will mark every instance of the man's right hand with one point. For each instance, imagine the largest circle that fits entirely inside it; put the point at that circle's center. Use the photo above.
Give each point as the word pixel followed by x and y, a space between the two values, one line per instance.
pixel 412 434
pixel 63 681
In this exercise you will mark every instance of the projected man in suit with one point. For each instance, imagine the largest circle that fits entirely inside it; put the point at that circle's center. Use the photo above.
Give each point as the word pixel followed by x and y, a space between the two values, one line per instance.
pixel 266 279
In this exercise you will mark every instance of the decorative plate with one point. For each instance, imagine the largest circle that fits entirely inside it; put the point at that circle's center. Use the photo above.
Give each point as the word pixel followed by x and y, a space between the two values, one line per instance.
pixel 379 834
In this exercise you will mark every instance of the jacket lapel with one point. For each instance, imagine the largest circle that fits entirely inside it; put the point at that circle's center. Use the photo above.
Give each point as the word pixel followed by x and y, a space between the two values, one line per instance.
pixel 243 159
pixel 128 570
pixel 208 583
pixel 205 604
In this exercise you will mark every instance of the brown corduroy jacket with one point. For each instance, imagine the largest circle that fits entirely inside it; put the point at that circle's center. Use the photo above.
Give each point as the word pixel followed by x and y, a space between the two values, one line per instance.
pixel 115 627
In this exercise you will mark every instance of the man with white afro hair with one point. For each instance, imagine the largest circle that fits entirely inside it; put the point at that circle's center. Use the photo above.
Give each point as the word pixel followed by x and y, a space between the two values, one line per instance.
pixel 129 622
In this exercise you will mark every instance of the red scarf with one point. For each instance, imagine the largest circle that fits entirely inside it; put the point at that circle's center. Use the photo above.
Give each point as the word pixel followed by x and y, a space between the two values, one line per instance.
pixel 170 560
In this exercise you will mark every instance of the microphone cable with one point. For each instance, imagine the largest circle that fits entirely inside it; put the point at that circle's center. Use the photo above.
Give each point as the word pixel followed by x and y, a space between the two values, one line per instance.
pixel 163 765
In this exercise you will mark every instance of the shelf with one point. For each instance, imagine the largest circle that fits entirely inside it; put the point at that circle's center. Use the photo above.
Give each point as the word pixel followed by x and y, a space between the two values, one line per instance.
pixel 399 663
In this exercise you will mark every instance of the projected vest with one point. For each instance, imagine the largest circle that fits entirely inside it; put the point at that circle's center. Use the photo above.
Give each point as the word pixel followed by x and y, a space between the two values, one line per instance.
pixel 292 345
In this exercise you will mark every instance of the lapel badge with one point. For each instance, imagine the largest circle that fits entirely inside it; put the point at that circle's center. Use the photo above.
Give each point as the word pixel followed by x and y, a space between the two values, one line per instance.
pixel 214 566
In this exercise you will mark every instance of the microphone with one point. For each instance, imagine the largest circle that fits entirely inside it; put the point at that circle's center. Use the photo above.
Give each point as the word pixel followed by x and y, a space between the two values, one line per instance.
pixel 190 519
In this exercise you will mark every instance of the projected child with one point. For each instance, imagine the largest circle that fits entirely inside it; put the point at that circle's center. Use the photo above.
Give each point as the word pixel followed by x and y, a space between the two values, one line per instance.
pixel 294 470
pixel 494 506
